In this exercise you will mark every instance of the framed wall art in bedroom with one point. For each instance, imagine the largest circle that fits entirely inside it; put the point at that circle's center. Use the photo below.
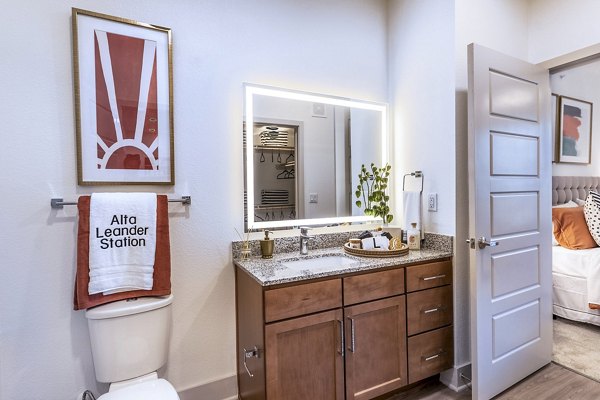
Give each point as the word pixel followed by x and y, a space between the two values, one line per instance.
pixel 575 131
pixel 554 125
pixel 123 84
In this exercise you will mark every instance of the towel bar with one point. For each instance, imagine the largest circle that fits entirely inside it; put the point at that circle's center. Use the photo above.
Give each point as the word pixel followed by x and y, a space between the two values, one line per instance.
pixel 416 174
pixel 59 202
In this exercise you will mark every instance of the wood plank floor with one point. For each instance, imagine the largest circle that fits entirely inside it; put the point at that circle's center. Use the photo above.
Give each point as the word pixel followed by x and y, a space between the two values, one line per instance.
pixel 552 382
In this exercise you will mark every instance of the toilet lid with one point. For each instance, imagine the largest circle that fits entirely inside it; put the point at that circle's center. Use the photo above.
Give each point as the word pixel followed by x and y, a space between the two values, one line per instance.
pixel 156 389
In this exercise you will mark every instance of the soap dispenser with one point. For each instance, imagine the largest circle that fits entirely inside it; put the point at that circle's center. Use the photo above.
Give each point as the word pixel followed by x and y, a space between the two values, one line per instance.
pixel 266 246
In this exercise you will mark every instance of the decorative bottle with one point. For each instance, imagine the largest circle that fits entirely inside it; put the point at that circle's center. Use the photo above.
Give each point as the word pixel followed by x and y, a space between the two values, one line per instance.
pixel 413 237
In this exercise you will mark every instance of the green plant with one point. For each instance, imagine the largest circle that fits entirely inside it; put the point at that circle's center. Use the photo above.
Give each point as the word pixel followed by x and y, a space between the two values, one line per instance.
pixel 373 189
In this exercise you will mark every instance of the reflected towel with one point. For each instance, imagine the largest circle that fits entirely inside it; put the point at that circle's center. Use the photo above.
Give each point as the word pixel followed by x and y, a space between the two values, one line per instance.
pixel 162 259
pixel 412 210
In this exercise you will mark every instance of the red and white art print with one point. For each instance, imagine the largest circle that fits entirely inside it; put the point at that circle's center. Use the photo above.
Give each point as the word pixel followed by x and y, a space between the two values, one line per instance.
pixel 123 85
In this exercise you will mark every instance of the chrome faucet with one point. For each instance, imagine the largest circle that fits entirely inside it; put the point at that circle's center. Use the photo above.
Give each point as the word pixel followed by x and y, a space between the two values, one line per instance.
pixel 304 237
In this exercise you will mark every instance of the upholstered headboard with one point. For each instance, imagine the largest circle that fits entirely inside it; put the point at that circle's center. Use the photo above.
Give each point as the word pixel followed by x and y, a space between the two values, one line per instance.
pixel 567 188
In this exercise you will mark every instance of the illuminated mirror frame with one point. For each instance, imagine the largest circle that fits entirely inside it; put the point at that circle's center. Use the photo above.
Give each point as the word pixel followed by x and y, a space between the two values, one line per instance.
pixel 250 91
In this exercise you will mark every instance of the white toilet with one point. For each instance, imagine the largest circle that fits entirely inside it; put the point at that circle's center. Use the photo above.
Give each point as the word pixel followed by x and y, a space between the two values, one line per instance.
pixel 130 340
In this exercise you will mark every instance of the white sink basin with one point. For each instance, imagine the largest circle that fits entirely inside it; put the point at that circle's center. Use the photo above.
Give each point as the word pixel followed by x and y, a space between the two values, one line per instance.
pixel 321 264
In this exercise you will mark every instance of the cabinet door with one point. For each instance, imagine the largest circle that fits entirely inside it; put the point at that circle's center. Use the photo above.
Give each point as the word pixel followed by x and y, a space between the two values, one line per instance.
pixel 304 358
pixel 375 348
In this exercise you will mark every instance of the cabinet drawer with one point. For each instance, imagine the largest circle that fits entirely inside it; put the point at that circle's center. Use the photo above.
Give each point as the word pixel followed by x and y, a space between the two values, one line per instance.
pixel 425 276
pixel 429 309
pixel 375 285
pixel 302 299
pixel 429 354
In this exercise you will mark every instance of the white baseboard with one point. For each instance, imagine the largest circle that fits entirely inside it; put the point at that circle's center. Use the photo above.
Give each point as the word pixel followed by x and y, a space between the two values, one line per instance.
pixel 452 379
pixel 221 389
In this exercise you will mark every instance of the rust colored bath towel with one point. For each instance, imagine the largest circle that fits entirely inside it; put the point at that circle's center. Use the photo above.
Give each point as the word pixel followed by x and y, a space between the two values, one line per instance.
pixel 162 262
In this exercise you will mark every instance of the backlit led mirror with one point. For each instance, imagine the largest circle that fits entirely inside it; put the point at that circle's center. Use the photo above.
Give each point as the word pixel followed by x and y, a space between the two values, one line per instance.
pixel 303 153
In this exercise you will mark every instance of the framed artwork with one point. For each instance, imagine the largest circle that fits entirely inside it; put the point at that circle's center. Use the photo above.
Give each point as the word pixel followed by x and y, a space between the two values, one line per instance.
pixel 554 126
pixel 575 131
pixel 123 100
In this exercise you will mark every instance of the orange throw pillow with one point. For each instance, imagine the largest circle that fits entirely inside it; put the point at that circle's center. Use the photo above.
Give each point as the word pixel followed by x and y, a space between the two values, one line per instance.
pixel 571 230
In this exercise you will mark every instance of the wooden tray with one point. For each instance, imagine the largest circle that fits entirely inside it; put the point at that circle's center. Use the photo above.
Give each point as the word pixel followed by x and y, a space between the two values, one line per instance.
pixel 376 253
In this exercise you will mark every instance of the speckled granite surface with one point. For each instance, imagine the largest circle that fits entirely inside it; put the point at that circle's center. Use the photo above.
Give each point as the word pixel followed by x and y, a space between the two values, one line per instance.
pixel 433 241
pixel 273 271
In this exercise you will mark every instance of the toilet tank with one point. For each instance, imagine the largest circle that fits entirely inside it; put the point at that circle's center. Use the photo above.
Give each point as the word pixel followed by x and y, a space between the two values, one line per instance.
pixel 129 338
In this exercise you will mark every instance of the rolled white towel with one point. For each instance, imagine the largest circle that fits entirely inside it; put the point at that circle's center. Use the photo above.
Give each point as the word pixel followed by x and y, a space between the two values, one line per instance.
pixel 376 243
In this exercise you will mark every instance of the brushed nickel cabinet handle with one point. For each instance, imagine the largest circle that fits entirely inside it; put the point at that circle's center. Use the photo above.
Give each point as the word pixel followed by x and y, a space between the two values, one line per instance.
pixel 342 342
pixel 352 344
pixel 434 356
pixel 430 278
pixel 435 309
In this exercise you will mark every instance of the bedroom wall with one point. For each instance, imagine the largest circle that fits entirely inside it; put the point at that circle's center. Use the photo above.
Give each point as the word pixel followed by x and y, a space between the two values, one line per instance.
pixel 581 82
pixel 557 28
pixel 44 345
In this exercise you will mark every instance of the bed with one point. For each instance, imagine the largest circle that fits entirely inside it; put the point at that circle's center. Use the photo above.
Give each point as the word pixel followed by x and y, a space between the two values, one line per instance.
pixel 574 272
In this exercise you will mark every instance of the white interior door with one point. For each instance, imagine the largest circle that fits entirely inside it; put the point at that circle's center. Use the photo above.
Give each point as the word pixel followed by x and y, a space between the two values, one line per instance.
pixel 510 206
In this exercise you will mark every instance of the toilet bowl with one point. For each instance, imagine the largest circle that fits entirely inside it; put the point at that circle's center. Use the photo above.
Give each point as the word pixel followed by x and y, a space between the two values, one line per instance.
pixel 130 341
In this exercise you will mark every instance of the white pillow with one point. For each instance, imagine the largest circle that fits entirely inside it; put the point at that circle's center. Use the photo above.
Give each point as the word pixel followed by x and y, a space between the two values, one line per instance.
pixel 580 202
pixel 569 204
pixel 591 211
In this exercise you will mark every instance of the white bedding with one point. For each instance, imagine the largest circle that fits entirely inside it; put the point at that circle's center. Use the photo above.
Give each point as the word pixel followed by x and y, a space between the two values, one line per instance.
pixel 570 299
pixel 580 264
pixel 570 288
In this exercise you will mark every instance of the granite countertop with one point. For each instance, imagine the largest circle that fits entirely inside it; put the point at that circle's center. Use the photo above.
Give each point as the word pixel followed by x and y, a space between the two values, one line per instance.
pixel 269 272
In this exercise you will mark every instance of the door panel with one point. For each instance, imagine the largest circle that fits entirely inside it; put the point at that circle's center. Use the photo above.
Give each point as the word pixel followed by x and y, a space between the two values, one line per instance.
pixel 509 202
pixel 521 147
pixel 514 213
pixel 375 348
pixel 305 349
pixel 513 97
pixel 522 322
pixel 507 265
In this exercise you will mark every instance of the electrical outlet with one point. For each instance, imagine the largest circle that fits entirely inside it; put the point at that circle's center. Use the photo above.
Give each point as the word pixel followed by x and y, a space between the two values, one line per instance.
pixel 313 198
pixel 432 202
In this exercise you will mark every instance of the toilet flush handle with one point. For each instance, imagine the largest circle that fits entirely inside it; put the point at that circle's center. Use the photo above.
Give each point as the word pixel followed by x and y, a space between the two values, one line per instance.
pixel 249 354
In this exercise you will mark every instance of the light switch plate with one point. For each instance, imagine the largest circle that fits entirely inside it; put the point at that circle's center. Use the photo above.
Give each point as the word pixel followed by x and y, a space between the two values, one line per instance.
pixel 432 202
pixel 313 198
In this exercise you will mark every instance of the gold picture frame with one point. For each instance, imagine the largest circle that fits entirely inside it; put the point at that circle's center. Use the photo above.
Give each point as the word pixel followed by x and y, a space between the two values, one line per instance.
pixel 123 87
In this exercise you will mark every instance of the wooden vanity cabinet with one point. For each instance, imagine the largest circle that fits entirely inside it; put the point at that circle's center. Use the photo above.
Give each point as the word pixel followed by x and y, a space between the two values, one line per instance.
pixel 429 319
pixel 375 348
pixel 340 338
pixel 375 324
pixel 297 330
pixel 304 358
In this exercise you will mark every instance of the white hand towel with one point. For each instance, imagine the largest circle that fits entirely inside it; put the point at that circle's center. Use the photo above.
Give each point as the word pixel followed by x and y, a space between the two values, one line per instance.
pixel 122 242
pixel 412 210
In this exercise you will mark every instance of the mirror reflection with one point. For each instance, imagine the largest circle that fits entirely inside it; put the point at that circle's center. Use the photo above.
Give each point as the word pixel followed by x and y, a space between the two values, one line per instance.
pixel 303 156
